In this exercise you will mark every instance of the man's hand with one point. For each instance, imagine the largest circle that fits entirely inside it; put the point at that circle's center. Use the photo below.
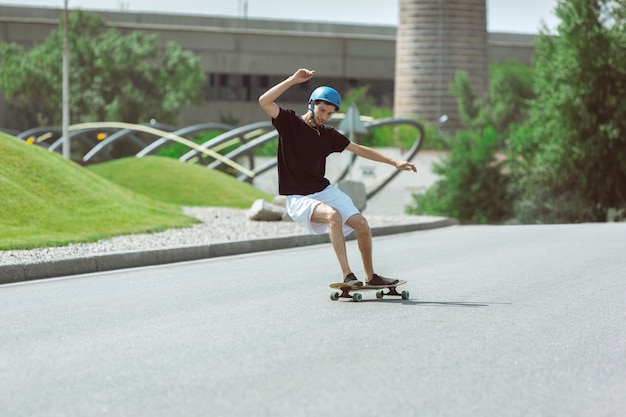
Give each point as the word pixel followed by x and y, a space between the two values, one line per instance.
pixel 302 75
pixel 267 99
pixel 406 166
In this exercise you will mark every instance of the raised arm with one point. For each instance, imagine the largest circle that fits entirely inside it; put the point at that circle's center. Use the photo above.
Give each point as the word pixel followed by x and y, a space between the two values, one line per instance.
pixel 267 99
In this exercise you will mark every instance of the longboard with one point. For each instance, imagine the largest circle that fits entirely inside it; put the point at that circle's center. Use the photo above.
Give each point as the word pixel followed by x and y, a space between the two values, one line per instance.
pixel 346 289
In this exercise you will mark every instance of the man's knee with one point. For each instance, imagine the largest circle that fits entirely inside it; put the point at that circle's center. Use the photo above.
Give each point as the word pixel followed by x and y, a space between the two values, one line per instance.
pixel 334 217
pixel 358 223
pixel 327 214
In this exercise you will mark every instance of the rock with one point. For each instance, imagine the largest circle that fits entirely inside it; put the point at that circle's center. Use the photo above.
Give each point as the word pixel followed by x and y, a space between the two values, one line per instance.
pixel 356 191
pixel 280 200
pixel 261 210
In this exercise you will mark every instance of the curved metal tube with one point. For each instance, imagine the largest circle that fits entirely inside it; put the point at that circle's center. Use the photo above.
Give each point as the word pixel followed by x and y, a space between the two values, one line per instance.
pixel 151 148
pixel 37 130
pixel 239 132
pixel 72 135
pixel 121 134
pixel 408 155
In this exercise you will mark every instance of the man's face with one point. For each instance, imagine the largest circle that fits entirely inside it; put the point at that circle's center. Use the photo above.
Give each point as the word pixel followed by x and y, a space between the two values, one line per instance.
pixel 322 112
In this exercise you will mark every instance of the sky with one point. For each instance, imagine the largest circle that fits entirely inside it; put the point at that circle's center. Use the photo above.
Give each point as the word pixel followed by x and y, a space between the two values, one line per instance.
pixel 512 16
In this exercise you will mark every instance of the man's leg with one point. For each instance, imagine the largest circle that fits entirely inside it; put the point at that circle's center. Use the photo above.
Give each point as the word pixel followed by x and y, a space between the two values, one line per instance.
pixel 364 239
pixel 326 214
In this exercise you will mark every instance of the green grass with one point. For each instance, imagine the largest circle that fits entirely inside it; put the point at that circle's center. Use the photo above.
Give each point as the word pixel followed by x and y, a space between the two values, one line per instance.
pixel 171 181
pixel 46 200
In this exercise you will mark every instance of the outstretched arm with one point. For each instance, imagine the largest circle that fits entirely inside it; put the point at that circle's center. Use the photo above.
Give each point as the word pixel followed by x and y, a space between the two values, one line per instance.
pixel 267 99
pixel 374 155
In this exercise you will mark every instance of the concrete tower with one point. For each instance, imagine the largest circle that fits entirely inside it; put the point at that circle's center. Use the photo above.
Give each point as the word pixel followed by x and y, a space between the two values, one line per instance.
pixel 435 39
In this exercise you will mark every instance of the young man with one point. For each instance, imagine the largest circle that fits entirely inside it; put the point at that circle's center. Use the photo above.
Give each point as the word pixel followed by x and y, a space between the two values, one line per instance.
pixel 303 146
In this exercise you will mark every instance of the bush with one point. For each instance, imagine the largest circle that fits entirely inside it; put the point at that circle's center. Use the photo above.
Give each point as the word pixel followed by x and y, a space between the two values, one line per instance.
pixel 578 165
pixel 473 187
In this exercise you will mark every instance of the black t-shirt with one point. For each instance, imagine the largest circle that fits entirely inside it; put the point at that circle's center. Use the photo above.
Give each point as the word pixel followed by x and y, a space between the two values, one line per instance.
pixel 302 154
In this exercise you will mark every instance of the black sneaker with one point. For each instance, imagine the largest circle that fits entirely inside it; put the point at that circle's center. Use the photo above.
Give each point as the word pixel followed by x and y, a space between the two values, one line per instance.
pixel 378 280
pixel 351 279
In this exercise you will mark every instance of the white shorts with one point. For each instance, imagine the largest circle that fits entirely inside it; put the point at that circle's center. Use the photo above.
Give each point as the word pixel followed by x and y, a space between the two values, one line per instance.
pixel 300 208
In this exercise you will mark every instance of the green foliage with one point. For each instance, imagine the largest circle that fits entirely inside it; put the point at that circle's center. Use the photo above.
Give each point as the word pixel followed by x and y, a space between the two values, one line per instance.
pixel 473 187
pixel 267 149
pixel 504 106
pixel 398 136
pixel 360 96
pixel 469 104
pixel 578 170
pixel 509 95
pixel 112 78
pixel 435 139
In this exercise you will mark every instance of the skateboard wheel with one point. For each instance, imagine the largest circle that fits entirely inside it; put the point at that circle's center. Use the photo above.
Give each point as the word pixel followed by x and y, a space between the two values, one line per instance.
pixel 380 294
pixel 356 297
pixel 405 295
pixel 334 296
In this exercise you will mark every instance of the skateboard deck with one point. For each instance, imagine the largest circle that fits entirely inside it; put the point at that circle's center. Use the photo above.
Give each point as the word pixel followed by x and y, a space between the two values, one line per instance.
pixel 356 296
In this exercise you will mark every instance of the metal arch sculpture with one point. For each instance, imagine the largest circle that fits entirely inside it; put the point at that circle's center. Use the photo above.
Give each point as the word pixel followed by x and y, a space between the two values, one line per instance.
pixel 41 134
pixel 240 134
pixel 226 137
pixel 160 133
pixel 183 132
pixel 76 134
pixel 120 134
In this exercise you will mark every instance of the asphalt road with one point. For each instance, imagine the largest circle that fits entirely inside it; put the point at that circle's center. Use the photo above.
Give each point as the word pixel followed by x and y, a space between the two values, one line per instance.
pixel 502 321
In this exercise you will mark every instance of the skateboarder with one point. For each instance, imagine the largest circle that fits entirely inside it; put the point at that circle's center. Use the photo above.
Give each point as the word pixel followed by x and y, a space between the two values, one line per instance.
pixel 304 144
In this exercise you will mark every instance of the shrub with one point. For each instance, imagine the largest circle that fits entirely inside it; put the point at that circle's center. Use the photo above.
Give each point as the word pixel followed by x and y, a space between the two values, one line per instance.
pixel 473 187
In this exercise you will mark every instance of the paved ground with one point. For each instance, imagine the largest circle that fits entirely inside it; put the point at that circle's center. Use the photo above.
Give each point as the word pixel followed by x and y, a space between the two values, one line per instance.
pixel 511 321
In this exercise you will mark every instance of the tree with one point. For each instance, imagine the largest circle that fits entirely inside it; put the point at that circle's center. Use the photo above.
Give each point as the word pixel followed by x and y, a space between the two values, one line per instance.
pixel 468 103
pixel 575 158
pixel 504 106
pixel 113 77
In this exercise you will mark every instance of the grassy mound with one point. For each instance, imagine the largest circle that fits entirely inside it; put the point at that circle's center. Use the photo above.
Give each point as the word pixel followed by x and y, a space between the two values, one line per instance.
pixel 46 200
pixel 170 181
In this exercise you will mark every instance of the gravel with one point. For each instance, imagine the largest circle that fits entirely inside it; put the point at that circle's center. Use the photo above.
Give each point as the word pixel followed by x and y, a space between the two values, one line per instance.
pixel 217 225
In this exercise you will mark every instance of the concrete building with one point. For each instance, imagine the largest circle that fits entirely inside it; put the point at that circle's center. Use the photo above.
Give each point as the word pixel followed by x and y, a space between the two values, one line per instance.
pixel 243 57
pixel 436 39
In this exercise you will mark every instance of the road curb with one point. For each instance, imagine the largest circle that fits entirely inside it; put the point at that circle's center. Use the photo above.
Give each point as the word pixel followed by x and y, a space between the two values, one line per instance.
pixel 114 261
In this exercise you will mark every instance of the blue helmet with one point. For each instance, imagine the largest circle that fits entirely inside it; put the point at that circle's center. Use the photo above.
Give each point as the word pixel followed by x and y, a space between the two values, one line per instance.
pixel 327 94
